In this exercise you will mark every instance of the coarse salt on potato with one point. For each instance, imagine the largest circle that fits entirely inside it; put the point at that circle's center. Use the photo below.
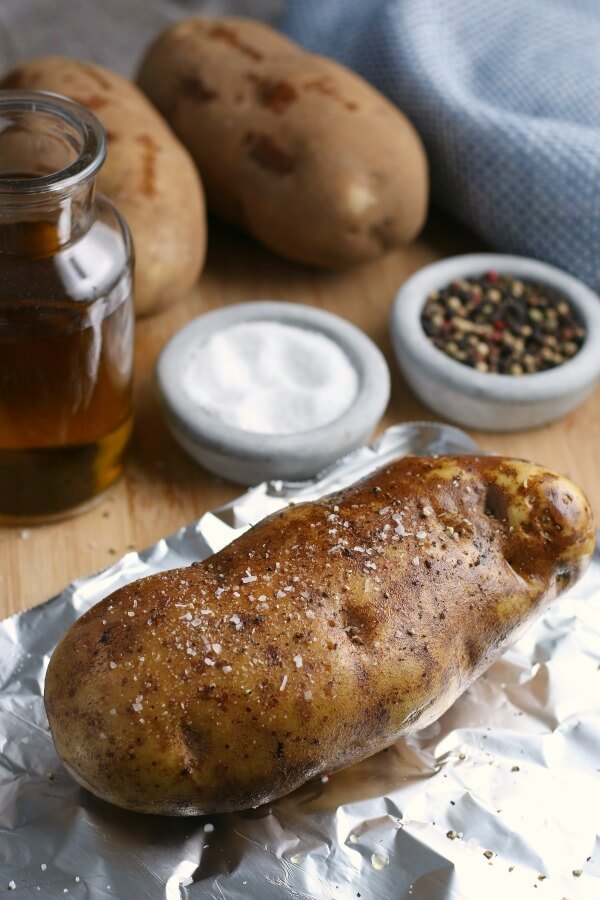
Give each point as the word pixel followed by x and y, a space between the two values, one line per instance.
pixel 315 639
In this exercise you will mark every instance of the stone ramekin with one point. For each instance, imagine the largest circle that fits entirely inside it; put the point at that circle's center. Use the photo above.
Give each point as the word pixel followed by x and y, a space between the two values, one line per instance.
pixel 246 457
pixel 480 400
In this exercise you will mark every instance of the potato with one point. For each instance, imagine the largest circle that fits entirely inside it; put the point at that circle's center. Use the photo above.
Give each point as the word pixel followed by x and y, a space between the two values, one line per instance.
pixel 148 175
pixel 315 639
pixel 295 148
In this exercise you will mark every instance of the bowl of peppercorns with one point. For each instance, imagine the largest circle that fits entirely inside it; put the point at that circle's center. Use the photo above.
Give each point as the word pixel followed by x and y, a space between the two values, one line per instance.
pixel 497 342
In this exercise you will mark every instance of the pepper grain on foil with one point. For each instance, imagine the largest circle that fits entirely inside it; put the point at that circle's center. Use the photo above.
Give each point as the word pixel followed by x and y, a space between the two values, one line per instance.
pixel 500 324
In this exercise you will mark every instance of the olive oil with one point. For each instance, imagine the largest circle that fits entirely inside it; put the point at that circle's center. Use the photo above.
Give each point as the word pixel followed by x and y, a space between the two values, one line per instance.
pixel 65 406
pixel 66 314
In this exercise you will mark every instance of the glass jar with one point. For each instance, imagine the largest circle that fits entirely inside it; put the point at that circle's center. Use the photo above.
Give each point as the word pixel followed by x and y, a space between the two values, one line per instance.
pixel 66 312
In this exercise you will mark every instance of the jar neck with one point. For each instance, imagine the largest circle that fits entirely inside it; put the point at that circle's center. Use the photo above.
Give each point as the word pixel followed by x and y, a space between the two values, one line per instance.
pixel 41 225
pixel 50 151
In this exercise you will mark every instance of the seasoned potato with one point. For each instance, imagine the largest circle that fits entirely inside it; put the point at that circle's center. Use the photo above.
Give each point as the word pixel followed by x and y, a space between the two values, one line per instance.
pixel 148 175
pixel 295 148
pixel 315 639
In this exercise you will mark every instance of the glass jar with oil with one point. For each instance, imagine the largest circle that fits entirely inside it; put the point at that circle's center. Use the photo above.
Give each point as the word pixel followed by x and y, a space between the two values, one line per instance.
pixel 66 312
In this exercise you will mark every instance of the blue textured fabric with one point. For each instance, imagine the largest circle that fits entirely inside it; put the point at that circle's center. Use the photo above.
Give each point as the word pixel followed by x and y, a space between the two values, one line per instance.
pixel 506 96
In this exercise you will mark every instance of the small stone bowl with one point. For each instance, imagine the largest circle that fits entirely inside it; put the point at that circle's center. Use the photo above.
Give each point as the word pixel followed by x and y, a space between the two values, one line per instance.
pixel 246 457
pixel 487 401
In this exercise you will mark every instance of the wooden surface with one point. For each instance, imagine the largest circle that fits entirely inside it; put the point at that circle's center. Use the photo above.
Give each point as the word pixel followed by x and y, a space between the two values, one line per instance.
pixel 163 489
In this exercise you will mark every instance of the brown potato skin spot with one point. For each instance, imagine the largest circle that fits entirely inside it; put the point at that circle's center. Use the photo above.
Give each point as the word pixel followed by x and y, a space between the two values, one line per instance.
pixel 97 75
pixel 195 88
pixel 148 170
pixel 327 88
pixel 264 151
pixel 95 102
pixel 230 37
pixel 274 95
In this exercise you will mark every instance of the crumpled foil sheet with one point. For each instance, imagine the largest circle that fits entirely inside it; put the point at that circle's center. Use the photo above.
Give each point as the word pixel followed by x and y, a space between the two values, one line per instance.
pixel 499 798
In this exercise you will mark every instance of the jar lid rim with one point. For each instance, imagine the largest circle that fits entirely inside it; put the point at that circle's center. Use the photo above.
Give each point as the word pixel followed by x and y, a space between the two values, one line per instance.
pixel 90 157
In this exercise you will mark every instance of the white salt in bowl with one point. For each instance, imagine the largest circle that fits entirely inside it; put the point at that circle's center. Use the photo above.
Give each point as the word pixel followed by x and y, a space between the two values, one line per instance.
pixel 488 401
pixel 247 457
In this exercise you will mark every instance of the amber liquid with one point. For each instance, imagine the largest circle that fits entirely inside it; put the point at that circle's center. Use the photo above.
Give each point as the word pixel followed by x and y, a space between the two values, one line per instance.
pixel 65 370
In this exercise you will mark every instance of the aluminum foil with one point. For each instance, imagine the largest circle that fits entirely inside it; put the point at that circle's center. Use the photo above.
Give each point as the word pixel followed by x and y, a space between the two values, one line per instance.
pixel 499 798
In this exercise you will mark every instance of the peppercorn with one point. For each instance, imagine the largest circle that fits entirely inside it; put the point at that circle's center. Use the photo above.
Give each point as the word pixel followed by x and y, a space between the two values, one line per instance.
pixel 500 324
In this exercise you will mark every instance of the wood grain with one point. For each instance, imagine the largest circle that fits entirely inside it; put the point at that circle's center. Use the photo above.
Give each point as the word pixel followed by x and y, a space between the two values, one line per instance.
pixel 163 489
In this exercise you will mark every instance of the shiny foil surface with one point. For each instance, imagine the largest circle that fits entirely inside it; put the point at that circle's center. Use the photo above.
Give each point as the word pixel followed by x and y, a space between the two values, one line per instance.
pixel 500 798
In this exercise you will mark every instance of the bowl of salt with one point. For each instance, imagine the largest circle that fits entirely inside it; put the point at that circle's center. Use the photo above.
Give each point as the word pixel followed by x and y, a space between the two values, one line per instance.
pixel 271 390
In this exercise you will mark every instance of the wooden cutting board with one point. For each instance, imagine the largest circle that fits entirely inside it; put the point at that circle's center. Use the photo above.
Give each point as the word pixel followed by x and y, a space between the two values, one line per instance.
pixel 163 489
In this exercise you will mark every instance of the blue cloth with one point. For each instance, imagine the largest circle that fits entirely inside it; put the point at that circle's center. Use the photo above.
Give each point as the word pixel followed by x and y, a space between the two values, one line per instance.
pixel 506 96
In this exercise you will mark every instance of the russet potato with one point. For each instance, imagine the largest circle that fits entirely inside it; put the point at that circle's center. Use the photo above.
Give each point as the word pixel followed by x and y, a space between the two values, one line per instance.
pixel 293 147
pixel 314 640
pixel 148 175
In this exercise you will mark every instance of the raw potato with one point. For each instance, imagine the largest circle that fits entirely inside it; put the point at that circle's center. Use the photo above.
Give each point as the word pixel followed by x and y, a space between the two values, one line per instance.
pixel 295 148
pixel 148 175
pixel 315 639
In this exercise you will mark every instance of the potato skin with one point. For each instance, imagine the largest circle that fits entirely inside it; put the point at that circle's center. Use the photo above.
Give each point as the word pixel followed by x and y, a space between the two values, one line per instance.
pixel 295 148
pixel 148 175
pixel 314 640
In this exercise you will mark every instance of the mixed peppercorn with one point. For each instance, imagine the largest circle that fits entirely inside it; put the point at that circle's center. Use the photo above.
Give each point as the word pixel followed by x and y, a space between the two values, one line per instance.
pixel 502 324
